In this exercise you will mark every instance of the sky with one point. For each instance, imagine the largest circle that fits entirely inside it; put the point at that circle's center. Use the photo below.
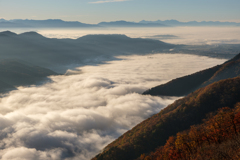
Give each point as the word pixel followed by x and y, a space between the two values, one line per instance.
pixel 95 11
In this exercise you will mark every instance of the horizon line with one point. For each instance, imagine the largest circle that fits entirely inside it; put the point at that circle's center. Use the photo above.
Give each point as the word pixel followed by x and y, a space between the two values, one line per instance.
pixel 223 21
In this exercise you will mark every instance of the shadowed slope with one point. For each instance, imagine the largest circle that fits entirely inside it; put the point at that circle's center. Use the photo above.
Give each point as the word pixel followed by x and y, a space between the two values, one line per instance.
pixel 187 84
pixel 14 73
pixel 184 85
pixel 4 87
pixel 230 69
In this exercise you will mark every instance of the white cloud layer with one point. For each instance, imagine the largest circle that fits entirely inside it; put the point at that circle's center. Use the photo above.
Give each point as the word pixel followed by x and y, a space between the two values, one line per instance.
pixel 185 35
pixel 78 114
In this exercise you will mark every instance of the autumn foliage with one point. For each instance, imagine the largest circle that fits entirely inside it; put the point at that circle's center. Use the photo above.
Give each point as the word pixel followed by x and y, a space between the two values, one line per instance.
pixel 217 138
pixel 177 117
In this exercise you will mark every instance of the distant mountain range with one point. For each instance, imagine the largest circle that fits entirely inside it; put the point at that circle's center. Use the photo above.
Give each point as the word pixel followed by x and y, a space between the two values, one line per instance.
pixel 130 24
pixel 191 23
pixel 191 110
pixel 57 23
pixel 50 23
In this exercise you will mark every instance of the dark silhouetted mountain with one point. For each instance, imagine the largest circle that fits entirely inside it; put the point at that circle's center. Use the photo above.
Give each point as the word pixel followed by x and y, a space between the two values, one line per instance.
pixel 177 117
pixel 229 69
pixel 191 23
pixel 14 73
pixel 33 35
pixel 59 54
pixel 129 24
pixel 120 43
pixel 187 84
pixel 7 34
pixel 5 87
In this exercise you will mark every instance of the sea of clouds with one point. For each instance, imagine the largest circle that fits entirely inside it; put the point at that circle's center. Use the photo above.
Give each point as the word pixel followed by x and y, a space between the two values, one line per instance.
pixel 76 115
pixel 176 35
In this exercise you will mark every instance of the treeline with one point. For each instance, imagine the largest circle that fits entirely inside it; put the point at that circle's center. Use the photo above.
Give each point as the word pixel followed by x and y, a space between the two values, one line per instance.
pixel 217 138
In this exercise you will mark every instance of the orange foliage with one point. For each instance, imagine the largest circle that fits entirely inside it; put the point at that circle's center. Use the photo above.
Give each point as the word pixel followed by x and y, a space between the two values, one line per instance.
pixel 204 140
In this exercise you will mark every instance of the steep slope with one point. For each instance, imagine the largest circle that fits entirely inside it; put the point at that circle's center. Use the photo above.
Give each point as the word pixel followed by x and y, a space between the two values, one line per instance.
pixel 183 85
pixel 216 138
pixel 179 116
pixel 187 84
pixel 229 69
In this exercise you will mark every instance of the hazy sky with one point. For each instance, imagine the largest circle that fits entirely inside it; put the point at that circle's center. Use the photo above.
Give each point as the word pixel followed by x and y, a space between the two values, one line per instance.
pixel 94 11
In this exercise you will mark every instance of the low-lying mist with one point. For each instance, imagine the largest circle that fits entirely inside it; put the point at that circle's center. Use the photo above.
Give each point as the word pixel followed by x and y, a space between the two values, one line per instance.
pixel 174 35
pixel 76 115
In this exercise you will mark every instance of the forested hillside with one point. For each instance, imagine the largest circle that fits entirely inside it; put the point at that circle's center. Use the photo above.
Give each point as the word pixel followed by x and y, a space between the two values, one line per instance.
pixel 217 138
pixel 177 117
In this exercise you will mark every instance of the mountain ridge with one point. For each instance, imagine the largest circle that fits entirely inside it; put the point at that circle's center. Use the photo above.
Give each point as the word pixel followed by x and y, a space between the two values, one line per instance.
pixel 58 23
pixel 187 84
pixel 57 54
pixel 192 23
pixel 49 23
pixel 130 24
